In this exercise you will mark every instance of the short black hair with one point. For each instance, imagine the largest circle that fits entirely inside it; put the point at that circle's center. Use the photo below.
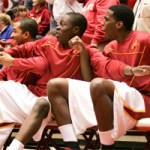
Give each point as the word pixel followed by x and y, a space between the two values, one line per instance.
pixel 30 25
pixel 78 20
pixel 123 13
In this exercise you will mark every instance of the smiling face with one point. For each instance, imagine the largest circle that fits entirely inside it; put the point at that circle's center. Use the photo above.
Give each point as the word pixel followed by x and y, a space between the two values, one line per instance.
pixel 17 34
pixel 66 30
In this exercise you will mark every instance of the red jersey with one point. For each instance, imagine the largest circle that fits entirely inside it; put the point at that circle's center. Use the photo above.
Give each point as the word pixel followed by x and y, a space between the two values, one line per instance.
pixel 10 73
pixel 42 17
pixel 45 59
pixel 94 11
pixel 133 51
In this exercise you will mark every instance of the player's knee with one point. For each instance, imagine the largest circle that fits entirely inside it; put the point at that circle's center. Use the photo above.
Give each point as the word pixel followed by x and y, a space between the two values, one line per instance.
pixel 97 88
pixel 100 87
pixel 97 85
pixel 42 107
pixel 54 87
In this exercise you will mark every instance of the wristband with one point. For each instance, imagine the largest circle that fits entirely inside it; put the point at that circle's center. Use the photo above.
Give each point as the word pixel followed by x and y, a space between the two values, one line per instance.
pixel 131 71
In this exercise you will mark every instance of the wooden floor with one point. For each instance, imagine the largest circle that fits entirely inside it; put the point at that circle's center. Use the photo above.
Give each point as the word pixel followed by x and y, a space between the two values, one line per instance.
pixel 124 143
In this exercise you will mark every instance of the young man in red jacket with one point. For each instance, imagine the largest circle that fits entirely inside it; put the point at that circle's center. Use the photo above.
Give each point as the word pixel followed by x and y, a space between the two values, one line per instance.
pixel 25 30
pixel 54 58
pixel 117 104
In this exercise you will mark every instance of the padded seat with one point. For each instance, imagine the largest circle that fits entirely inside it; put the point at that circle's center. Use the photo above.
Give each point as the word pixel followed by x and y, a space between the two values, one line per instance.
pixel 143 124
pixel 142 128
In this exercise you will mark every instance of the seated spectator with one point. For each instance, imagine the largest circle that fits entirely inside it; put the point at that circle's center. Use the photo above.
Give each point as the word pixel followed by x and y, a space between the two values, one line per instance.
pixel 94 11
pixel 5 26
pixel 142 15
pixel 41 15
pixel 120 97
pixel 21 12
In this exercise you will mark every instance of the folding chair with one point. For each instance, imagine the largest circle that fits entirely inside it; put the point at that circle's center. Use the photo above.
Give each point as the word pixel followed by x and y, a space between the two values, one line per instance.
pixel 52 128
pixel 48 140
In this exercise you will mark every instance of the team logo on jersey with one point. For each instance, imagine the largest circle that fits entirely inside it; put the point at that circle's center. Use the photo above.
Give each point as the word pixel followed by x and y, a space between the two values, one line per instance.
pixel 109 50
pixel 75 52
pixel 135 45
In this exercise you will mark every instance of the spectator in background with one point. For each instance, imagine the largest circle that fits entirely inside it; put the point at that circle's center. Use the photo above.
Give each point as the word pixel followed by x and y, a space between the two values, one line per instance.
pixel 3 5
pixel 21 12
pixel 6 28
pixel 64 7
pixel 142 15
pixel 94 11
pixel 41 15
pixel 28 4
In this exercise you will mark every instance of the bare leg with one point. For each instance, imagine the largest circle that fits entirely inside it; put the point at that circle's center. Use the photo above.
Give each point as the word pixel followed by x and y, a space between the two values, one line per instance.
pixel 33 121
pixel 102 92
pixel 58 96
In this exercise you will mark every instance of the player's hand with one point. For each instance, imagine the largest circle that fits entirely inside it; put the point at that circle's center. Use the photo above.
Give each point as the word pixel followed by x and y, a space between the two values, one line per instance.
pixel 141 70
pixel 6 59
pixel 77 43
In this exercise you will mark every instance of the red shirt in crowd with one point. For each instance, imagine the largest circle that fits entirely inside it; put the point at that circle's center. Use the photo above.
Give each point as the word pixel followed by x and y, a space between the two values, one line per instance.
pixel 42 17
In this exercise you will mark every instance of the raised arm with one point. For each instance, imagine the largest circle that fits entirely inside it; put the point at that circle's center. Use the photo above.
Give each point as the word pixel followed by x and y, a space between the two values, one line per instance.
pixel 86 69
